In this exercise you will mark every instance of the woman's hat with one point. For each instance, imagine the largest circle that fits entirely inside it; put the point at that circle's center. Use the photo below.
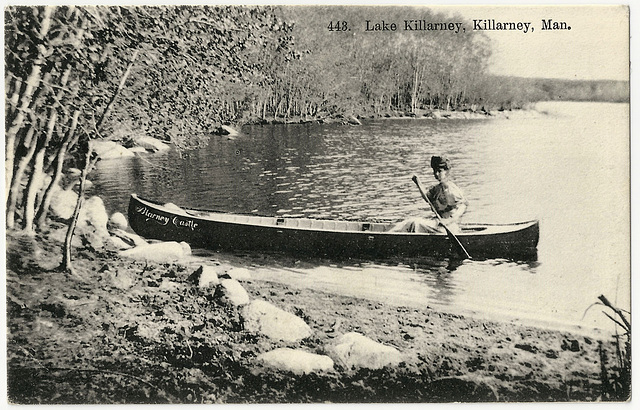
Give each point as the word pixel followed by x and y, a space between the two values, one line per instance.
pixel 438 162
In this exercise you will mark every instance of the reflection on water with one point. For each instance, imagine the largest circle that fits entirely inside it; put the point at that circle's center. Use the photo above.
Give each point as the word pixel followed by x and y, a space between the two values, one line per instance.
pixel 568 168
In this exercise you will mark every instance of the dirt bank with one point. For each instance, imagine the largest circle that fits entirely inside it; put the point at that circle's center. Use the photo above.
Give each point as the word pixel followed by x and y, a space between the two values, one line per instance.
pixel 130 332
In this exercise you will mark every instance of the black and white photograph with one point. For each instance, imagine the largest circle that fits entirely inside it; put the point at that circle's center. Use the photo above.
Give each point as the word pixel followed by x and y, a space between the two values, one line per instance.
pixel 277 203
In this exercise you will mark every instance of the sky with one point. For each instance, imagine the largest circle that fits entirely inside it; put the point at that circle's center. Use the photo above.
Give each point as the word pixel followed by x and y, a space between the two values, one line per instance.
pixel 596 47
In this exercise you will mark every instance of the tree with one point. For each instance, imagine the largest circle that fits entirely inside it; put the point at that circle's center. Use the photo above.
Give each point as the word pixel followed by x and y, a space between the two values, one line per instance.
pixel 73 73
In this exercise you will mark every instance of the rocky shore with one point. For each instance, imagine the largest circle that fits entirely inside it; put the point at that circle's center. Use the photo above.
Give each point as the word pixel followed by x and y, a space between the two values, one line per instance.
pixel 467 114
pixel 143 322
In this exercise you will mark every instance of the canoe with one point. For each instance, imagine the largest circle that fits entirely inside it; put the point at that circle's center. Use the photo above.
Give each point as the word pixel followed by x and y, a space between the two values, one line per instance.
pixel 323 238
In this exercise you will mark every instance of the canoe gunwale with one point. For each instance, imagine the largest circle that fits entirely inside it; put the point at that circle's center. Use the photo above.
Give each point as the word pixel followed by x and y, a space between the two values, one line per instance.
pixel 194 213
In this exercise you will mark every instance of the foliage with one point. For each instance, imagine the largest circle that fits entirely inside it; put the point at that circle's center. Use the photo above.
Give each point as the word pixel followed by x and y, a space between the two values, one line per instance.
pixel 616 378
pixel 76 73
pixel 178 73
pixel 353 71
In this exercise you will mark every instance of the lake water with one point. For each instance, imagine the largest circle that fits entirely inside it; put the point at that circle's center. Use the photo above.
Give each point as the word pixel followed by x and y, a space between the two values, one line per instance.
pixel 568 166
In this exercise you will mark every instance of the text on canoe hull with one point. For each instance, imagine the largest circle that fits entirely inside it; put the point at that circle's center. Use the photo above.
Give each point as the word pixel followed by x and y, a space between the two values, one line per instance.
pixel 165 220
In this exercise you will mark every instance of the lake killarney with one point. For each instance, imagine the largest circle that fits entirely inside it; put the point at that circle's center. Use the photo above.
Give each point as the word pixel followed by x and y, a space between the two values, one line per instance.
pixel 566 165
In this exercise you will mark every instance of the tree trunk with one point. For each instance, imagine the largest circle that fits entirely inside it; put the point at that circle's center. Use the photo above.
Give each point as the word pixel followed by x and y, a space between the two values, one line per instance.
pixel 33 81
pixel 12 200
pixel 12 103
pixel 414 90
pixel 69 140
pixel 66 265
pixel 37 175
pixel 123 80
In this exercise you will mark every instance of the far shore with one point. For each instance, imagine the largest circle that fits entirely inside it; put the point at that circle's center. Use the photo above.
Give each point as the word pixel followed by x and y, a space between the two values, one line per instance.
pixel 425 114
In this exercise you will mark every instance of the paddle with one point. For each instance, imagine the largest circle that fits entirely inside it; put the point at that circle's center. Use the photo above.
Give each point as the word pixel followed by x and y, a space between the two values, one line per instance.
pixel 449 233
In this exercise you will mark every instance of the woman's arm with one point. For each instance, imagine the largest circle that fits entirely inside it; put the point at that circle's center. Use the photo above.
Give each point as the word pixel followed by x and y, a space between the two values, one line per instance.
pixel 456 212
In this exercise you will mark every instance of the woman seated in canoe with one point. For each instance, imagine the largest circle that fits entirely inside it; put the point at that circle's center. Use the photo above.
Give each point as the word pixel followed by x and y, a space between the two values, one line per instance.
pixel 447 199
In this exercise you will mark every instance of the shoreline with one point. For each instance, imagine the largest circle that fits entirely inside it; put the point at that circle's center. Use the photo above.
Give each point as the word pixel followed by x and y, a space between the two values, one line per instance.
pixel 422 114
pixel 148 322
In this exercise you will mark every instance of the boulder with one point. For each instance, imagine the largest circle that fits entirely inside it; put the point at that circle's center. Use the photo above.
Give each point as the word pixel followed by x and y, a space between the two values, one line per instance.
pixel 239 274
pixel 205 277
pixel 117 221
pixel 150 143
pixel 228 130
pixel 91 237
pixel 118 244
pixel 94 213
pixel 138 150
pixel 296 361
pixel 163 252
pixel 264 318
pixel 109 149
pixel 353 120
pixel 356 350
pixel 231 292
pixel 63 203
pixel 130 238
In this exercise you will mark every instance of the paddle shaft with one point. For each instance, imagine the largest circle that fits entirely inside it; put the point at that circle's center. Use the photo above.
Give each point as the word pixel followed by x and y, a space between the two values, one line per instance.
pixel 433 208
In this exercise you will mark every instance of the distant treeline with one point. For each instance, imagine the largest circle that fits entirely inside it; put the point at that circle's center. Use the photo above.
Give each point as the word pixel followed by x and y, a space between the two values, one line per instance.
pixel 519 91
pixel 338 67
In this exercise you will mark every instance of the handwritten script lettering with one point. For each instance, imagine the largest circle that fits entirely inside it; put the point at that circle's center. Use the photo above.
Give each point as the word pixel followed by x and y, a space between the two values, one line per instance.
pixel 164 220
pixel 161 219
pixel 184 223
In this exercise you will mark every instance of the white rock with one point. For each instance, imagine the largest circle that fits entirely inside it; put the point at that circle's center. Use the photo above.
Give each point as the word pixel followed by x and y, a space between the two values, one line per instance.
pixel 118 243
pixel 233 292
pixel 94 213
pixel 186 248
pixel 296 361
pixel 117 221
pixel 138 150
pixel 239 274
pixel 63 203
pixel 356 350
pixel 150 143
pixel 205 276
pixel 131 238
pixel 91 237
pixel 162 252
pixel 232 132
pixel 109 149
pixel 353 120
pixel 264 318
